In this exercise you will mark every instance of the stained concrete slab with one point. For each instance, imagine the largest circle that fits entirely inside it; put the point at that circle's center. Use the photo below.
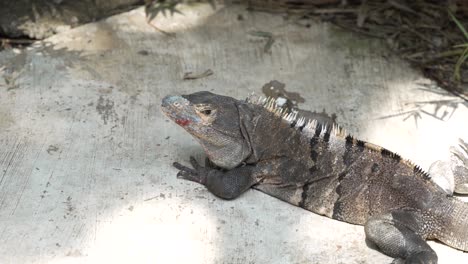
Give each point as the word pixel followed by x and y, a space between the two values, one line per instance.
pixel 85 156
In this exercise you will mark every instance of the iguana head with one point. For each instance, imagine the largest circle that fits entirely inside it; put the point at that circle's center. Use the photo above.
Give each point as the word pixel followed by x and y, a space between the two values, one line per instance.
pixel 215 121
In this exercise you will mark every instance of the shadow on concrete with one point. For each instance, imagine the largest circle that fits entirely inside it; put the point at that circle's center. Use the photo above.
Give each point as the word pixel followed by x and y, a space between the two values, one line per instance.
pixel 442 109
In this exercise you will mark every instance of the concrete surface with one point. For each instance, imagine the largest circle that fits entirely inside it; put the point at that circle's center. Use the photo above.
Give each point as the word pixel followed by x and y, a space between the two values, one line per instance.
pixel 85 156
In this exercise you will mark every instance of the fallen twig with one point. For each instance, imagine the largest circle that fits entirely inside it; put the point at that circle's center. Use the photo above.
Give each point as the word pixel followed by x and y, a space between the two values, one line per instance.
pixel 191 76
pixel 17 41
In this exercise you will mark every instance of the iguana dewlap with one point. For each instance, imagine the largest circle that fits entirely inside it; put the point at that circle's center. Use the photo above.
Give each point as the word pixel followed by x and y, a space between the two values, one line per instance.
pixel 252 143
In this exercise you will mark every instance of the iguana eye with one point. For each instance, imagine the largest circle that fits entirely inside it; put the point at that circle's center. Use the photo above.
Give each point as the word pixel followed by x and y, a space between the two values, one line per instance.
pixel 206 112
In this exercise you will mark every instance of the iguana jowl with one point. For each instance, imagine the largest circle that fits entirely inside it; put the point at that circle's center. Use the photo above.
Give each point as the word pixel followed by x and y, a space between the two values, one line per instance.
pixel 252 143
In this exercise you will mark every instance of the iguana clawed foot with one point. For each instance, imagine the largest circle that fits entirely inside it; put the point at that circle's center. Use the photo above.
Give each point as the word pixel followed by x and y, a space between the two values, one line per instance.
pixel 452 174
pixel 225 184
pixel 197 174
pixel 460 169
pixel 401 234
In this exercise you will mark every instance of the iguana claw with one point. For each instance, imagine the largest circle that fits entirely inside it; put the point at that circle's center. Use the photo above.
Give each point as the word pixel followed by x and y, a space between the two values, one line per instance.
pixel 197 174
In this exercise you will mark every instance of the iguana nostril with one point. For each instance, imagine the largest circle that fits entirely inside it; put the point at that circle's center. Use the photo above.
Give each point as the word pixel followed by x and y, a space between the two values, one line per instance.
pixel 170 100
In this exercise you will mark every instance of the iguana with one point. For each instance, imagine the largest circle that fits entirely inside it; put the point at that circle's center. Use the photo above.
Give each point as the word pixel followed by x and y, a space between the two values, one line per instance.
pixel 253 143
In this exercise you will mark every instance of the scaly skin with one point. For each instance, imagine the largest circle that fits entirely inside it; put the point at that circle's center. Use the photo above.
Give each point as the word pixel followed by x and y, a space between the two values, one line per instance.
pixel 316 167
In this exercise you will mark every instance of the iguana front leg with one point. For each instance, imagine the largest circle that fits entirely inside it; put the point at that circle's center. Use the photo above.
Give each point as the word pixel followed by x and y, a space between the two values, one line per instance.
pixel 224 184
pixel 401 234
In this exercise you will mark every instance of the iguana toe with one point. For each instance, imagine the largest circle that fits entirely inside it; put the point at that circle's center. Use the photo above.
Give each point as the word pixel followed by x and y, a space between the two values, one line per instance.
pixel 181 167
pixel 187 173
pixel 198 174
pixel 195 164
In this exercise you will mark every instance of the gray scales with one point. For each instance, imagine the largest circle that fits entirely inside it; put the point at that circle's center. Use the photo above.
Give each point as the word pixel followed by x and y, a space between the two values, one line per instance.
pixel 255 144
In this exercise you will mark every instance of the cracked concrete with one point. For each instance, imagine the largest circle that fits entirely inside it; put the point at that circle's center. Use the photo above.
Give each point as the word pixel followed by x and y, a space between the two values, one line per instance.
pixel 86 154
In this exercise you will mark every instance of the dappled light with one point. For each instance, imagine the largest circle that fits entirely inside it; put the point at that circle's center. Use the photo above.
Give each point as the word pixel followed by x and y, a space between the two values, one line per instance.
pixel 86 153
pixel 154 232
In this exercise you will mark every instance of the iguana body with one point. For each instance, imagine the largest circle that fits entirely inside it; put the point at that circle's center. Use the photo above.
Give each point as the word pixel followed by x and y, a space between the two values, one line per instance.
pixel 319 168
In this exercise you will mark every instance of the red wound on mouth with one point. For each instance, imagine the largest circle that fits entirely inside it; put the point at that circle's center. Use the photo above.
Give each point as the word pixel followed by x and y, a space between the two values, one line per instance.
pixel 182 122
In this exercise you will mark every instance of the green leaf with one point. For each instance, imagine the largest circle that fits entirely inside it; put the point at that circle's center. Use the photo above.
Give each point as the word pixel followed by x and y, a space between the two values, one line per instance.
pixel 459 25
pixel 157 7
pixel 464 45
pixel 460 62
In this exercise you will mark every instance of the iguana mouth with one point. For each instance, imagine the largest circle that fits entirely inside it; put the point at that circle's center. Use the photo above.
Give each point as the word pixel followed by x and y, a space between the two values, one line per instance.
pixel 182 122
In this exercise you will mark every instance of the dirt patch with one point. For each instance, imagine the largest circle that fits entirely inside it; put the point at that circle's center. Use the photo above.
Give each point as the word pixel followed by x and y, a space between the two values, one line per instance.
pixel 105 108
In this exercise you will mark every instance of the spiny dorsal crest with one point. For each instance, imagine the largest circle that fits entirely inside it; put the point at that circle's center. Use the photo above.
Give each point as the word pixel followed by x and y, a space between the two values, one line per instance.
pixel 306 125
pixel 420 171
pixel 309 126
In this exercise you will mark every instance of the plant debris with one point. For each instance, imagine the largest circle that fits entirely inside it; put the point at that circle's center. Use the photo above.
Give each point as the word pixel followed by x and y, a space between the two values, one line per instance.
pixel 168 7
pixel 191 76
pixel 431 35
pixel 7 43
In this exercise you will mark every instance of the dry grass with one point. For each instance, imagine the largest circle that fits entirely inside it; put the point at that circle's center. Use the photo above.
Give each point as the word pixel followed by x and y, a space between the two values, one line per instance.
pixel 431 35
